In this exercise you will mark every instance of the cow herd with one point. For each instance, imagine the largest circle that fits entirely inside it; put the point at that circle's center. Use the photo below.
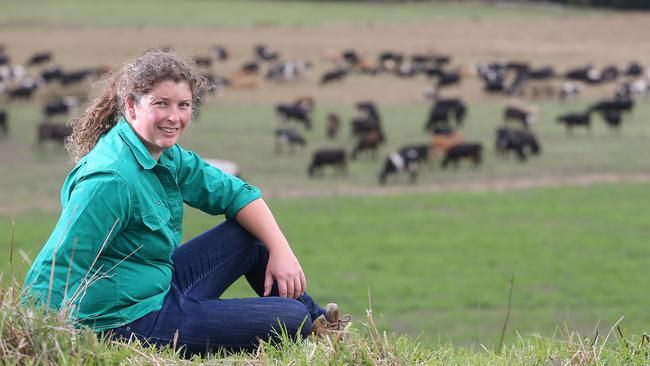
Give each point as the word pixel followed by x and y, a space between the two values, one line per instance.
pixel 442 124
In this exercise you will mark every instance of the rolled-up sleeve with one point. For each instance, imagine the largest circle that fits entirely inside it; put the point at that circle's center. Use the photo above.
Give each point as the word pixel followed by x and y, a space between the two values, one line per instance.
pixel 211 190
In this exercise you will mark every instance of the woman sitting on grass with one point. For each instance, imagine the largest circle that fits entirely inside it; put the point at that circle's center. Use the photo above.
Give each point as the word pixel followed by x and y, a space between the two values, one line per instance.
pixel 113 261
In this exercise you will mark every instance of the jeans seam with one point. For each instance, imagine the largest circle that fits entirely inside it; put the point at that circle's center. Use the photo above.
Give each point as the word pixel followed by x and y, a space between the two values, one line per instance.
pixel 209 272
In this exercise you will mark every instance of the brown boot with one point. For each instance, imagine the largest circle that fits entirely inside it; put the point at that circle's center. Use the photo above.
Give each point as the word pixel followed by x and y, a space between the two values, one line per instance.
pixel 330 323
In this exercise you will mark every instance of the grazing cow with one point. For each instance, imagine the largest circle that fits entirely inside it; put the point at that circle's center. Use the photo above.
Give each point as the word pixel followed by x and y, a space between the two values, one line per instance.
pixel 569 89
pixel 4 124
pixel 369 141
pixel 60 106
pixel 334 157
pixel 448 79
pixel 265 53
pixel 289 70
pixel 52 73
pixel 405 160
pixel 288 137
pixel 202 61
pixel 52 131
pixel 519 142
pixel 333 75
pixel 634 69
pixel 23 91
pixel 612 118
pixel 220 52
pixel 77 76
pixel 525 116
pixel 300 110
pixel 332 125
pixel 39 58
pixel 463 150
pixel 442 109
pixel 575 119
pixel 621 105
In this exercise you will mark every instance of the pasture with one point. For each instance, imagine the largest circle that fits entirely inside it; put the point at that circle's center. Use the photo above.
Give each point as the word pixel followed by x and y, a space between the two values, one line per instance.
pixel 437 263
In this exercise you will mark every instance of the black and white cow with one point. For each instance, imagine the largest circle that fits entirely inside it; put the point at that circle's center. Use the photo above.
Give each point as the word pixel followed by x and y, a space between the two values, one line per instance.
pixel 521 143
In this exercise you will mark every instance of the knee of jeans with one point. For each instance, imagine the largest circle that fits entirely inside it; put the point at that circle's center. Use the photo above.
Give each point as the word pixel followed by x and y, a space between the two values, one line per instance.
pixel 297 319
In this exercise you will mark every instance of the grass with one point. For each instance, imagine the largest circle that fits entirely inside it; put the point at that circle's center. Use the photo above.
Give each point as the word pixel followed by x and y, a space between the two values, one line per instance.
pixel 438 265
pixel 230 13
pixel 31 336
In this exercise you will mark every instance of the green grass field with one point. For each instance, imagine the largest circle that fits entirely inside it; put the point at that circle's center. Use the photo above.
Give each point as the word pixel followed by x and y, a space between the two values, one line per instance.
pixel 438 265
pixel 230 13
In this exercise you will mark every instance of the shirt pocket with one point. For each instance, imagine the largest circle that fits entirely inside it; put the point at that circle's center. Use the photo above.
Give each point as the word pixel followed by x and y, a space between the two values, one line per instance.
pixel 157 217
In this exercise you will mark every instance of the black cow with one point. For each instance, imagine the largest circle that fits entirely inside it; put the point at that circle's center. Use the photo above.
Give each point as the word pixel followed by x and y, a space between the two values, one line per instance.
pixel 300 110
pixel 4 124
pixel 202 61
pixel 23 92
pixel 39 58
pixel 77 76
pixel 575 119
pixel 288 137
pixel 333 75
pixel 522 143
pixel 59 106
pixel 442 109
pixel 52 73
pixel 52 131
pixel 334 157
pixel 265 53
pixel 463 150
pixel 220 52
pixel 522 115
pixel 612 118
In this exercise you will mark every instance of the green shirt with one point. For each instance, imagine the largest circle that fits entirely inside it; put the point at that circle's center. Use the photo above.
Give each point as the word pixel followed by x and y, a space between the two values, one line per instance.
pixel 121 220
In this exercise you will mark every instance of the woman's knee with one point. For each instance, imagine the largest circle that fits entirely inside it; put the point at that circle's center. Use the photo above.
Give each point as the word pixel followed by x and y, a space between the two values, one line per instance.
pixel 295 318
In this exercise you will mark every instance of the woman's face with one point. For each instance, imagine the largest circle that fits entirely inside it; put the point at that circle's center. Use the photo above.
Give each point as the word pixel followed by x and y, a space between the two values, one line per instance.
pixel 160 117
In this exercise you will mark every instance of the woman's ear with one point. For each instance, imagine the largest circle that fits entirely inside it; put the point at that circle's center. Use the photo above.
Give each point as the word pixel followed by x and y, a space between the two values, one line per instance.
pixel 130 107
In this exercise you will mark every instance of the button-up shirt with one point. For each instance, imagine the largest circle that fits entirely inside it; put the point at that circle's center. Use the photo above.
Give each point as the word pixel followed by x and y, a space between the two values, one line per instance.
pixel 108 260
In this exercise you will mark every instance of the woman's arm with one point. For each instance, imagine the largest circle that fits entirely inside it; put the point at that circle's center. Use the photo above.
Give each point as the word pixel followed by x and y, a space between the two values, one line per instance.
pixel 283 266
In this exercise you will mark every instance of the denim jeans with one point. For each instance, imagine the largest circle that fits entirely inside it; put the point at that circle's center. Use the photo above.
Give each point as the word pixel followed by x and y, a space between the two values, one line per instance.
pixel 204 268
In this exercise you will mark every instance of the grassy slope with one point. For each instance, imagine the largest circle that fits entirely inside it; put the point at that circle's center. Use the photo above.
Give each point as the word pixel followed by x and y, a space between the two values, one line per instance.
pixel 439 264
pixel 200 13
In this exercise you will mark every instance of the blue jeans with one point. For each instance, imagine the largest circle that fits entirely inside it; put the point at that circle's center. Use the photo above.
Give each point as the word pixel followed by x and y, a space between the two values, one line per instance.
pixel 204 268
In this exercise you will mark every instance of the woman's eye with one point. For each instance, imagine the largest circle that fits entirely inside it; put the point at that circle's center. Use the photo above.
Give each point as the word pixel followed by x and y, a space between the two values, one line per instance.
pixel 161 103
pixel 185 105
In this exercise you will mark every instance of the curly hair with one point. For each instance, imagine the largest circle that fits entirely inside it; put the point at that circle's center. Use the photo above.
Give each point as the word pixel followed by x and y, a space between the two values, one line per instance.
pixel 133 80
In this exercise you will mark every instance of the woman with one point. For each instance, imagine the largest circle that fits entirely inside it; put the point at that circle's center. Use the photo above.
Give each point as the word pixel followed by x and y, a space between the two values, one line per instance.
pixel 113 261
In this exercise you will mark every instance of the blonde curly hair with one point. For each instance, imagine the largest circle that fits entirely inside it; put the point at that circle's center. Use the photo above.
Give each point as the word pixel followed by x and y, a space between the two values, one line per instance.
pixel 133 80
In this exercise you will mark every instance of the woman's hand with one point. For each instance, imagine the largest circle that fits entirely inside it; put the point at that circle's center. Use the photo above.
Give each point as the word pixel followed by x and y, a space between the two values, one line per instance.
pixel 283 267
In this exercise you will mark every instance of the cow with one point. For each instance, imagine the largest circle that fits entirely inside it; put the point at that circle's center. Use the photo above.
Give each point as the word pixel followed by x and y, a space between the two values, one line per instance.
pixel 299 110
pixel 463 150
pixel 336 74
pixel 4 124
pixel 265 53
pixel 202 61
pixel 334 157
pixel 39 58
pixel 369 141
pixel 441 111
pixel 612 118
pixel 60 106
pixel 525 116
pixel 77 76
pixel 52 131
pixel 332 125
pixel 571 120
pixel 401 161
pixel 522 143
pixel 220 52
pixel 288 137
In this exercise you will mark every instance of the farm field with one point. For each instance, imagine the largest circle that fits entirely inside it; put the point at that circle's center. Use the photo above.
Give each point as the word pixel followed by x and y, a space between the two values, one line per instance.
pixel 436 255
pixel 438 265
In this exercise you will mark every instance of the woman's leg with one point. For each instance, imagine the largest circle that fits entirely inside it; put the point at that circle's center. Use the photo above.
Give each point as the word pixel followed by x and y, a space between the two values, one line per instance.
pixel 208 264
pixel 206 326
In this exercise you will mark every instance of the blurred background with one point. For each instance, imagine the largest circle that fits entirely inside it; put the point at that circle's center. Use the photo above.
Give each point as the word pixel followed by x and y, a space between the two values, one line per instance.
pixel 419 155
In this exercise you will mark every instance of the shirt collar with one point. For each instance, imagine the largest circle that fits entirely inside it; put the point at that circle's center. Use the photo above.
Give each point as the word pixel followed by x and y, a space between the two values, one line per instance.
pixel 140 152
